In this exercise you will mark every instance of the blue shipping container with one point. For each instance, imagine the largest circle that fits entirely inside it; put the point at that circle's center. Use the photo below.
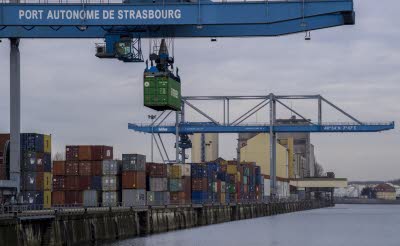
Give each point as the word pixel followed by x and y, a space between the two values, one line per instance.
pixel 96 183
pixel 199 197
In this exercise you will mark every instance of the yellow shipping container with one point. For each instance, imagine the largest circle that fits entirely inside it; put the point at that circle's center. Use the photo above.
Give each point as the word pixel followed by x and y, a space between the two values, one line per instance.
pixel 238 179
pixel 47 181
pixel 223 200
pixel 231 169
pixel 47 143
pixel 176 172
pixel 47 199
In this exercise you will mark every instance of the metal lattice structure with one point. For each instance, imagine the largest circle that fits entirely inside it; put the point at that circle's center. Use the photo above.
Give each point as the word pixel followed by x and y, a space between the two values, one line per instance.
pixel 182 127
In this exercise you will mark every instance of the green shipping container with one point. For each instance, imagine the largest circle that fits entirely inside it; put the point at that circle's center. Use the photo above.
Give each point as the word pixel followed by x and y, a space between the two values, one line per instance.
pixel 162 93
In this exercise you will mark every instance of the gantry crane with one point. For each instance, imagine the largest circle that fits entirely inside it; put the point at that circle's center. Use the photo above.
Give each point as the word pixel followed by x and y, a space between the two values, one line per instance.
pixel 123 23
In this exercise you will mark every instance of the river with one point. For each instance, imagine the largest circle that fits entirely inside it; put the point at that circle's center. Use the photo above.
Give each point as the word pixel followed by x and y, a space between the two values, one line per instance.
pixel 355 225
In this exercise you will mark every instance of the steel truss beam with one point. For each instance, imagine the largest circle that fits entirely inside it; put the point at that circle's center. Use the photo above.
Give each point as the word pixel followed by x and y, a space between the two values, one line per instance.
pixel 202 19
pixel 272 127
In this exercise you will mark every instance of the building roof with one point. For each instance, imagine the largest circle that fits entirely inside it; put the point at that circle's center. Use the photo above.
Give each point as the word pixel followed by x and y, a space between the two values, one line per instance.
pixel 384 188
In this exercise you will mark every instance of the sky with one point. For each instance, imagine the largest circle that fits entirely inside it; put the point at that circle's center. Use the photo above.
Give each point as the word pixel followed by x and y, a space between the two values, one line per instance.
pixel 80 99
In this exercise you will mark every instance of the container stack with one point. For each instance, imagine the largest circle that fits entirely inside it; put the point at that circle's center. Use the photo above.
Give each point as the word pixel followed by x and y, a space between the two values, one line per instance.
pixel 231 182
pixel 157 184
pixel 212 190
pixel 180 184
pixel 199 183
pixel 259 193
pixel 86 177
pixel 4 156
pixel 36 175
pixel 222 177
pixel 133 180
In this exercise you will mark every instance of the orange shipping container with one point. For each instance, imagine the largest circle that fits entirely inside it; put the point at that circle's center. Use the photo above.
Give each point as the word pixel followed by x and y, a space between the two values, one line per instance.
pixel 97 168
pixel 58 167
pixel 85 153
pixel 133 180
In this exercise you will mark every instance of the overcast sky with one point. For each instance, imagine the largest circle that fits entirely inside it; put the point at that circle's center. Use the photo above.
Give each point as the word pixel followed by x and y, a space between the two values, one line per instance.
pixel 80 99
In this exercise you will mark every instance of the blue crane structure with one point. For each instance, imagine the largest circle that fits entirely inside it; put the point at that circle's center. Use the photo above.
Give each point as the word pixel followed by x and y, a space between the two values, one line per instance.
pixel 123 23
pixel 181 128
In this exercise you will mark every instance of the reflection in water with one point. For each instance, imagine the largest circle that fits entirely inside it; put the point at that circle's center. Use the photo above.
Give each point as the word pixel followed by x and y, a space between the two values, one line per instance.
pixel 355 225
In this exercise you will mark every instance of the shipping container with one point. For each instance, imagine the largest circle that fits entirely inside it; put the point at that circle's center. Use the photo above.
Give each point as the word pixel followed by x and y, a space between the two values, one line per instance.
pixel 58 167
pixel 47 199
pixel 133 162
pixel 133 180
pixel 156 170
pixel 72 183
pixel 32 142
pixel 198 170
pixel 71 168
pixel 96 182
pixel 85 182
pixel 110 167
pixel 232 169
pixel 72 153
pixel 91 198
pixel 101 152
pixel 133 197
pixel 199 197
pixel 59 183
pixel 97 168
pixel 30 162
pixel 32 181
pixel 175 185
pixel 85 168
pixel 180 198
pixel 47 181
pixel 162 92
pixel 157 198
pixel 58 198
pixel 47 162
pixel 73 198
pixel 47 144
pixel 158 184
pixel 33 198
pixel 110 199
pixel 199 184
pixel 85 152
pixel 110 183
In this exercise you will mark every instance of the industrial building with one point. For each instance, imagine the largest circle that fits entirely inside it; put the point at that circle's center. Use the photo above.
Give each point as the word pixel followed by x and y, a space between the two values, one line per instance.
pixel 205 147
pixel 385 192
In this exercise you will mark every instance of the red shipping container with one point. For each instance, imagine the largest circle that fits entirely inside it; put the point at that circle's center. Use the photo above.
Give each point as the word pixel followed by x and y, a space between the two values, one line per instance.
pixel 4 138
pixel 85 153
pixel 219 186
pixel 72 183
pixel 156 170
pixel 72 153
pixel 58 198
pixel 97 168
pixel 85 168
pixel 85 183
pixel 100 152
pixel 73 197
pixel 58 183
pixel 58 167
pixel 180 197
pixel 199 184
pixel 3 174
pixel 187 185
pixel 133 180
pixel 71 168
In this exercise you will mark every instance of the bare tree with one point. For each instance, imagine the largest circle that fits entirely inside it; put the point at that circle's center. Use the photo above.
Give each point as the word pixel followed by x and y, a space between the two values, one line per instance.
pixel 58 157
pixel 319 170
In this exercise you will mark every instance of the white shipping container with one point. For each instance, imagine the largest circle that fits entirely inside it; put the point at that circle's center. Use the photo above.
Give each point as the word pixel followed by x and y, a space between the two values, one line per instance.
pixel 109 183
pixel 158 184
pixel 91 198
pixel 110 167
pixel 133 197
pixel 267 187
pixel 110 199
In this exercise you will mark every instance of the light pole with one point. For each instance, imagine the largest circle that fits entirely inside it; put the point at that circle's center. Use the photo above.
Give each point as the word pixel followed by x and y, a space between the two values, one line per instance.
pixel 152 117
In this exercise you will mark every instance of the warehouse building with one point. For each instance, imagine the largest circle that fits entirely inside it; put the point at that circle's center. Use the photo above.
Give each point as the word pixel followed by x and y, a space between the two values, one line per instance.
pixel 385 192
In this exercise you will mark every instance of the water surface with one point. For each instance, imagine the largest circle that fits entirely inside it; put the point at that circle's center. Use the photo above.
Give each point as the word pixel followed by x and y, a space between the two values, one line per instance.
pixel 355 225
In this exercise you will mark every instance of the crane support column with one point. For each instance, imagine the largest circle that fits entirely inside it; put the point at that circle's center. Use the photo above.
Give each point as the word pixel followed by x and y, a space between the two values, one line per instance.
pixel 177 138
pixel 15 112
pixel 272 144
